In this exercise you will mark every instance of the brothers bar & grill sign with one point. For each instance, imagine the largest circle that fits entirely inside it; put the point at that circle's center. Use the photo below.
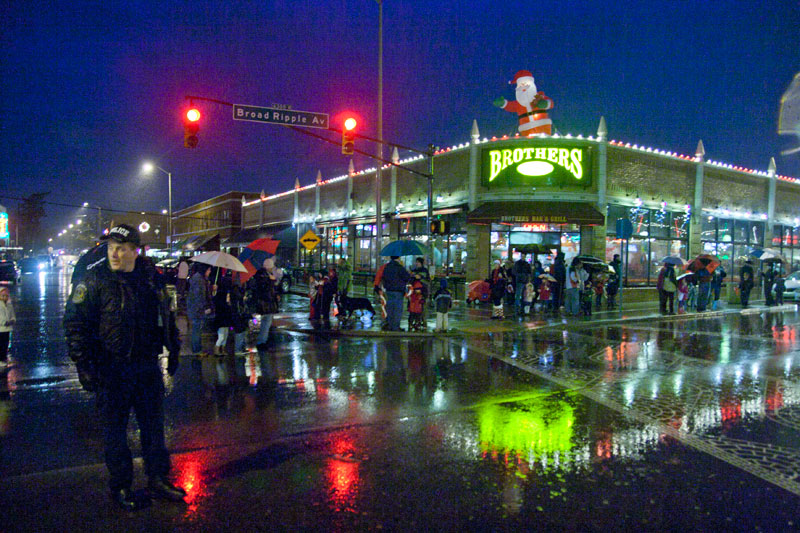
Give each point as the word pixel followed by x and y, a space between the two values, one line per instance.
pixel 536 163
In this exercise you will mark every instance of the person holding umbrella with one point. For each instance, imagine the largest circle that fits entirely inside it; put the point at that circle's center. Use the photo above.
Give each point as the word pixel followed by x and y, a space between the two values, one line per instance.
pixel 395 278
pixel 199 306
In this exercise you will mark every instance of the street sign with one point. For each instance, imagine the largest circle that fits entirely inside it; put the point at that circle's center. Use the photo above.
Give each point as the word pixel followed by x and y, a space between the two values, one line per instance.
pixel 310 240
pixel 273 115
pixel 624 228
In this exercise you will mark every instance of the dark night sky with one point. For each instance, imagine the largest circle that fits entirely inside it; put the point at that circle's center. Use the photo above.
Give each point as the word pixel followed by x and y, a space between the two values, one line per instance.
pixel 92 89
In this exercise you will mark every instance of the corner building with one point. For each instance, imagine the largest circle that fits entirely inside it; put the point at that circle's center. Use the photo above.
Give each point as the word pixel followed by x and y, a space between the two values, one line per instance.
pixel 562 192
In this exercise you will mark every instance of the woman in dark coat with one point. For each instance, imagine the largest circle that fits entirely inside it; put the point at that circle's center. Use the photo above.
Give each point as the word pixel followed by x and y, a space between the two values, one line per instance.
pixel 746 283
pixel 498 283
pixel 223 318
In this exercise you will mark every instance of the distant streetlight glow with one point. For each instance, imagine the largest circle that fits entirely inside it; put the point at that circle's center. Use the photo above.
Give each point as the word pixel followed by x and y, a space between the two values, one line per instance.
pixel 79 221
pixel 148 168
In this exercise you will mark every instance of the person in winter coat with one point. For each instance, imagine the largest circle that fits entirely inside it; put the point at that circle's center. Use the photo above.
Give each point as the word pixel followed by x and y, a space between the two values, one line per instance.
pixel 769 280
pixel 443 301
pixel 522 273
pixel 240 319
pixel 557 288
pixel 780 288
pixel 117 322
pixel 394 279
pixel 262 297
pixel 421 270
pixel 576 277
pixel 330 287
pixel 199 305
pixel 716 284
pixel 529 297
pixel 666 285
pixel 703 278
pixel 416 306
pixel 498 281
pixel 223 314
pixel 345 271
pixel 746 282
pixel 7 321
pixel 683 295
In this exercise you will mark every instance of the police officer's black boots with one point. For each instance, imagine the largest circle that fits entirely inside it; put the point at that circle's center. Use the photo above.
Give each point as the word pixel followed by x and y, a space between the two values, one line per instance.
pixel 129 500
pixel 161 487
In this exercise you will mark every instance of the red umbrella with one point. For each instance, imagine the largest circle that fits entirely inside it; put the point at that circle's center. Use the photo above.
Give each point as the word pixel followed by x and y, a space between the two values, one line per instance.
pixel 253 255
pixel 706 262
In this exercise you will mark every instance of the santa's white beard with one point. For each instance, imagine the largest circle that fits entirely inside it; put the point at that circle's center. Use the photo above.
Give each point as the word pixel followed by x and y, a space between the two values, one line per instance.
pixel 526 97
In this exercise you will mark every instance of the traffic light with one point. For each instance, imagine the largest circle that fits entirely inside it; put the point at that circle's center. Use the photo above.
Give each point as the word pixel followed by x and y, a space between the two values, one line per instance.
pixel 348 136
pixel 191 125
pixel 440 227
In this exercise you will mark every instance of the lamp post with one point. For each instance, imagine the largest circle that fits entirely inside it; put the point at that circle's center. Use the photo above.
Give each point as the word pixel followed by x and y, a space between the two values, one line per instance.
pixel 378 180
pixel 148 168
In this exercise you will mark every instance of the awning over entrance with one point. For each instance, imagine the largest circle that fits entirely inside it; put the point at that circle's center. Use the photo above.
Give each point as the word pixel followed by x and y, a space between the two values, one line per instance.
pixel 582 214
pixel 202 242
pixel 287 236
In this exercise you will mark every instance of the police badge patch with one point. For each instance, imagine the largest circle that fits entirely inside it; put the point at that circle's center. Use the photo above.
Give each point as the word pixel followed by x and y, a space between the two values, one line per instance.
pixel 79 294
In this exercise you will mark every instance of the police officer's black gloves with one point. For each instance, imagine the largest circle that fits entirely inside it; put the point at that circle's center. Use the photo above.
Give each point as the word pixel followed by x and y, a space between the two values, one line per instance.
pixel 172 363
pixel 87 375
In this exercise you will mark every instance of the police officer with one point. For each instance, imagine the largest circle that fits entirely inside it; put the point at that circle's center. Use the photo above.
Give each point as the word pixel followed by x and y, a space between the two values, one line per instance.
pixel 117 322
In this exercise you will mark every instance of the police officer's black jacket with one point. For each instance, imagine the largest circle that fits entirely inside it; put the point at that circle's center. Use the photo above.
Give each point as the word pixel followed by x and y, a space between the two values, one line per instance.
pixel 117 316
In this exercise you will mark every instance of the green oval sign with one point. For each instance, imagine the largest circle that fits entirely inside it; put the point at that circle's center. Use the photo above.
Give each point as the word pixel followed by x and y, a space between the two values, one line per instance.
pixel 535 168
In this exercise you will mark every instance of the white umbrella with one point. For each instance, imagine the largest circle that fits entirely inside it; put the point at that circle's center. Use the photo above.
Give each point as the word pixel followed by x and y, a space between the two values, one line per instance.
pixel 220 260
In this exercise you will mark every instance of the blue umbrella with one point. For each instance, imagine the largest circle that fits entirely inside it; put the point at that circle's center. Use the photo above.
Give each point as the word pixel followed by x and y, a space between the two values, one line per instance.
pixel 405 247
pixel 673 260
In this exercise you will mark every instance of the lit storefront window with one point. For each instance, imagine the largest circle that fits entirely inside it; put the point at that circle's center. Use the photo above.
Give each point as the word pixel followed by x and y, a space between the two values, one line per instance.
pixel 731 240
pixel 657 233
pixel 787 240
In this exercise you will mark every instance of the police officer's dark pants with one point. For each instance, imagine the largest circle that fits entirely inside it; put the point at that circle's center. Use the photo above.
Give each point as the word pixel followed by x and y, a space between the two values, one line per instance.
pixel 137 386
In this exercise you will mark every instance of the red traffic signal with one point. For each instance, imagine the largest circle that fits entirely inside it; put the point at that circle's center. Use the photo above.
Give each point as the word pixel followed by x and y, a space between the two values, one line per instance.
pixel 349 136
pixel 191 126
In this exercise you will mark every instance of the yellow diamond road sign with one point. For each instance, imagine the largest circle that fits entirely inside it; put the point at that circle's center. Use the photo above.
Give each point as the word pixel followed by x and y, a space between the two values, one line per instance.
pixel 310 240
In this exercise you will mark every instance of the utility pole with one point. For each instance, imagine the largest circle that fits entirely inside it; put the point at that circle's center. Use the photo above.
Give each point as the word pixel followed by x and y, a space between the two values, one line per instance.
pixel 431 266
pixel 378 177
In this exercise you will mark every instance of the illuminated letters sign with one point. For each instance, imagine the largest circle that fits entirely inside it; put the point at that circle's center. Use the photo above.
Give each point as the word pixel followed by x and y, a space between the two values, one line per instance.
pixel 3 225
pixel 537 163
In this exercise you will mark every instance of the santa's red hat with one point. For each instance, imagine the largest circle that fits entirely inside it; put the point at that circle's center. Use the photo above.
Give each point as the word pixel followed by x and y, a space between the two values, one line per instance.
pixel 521 74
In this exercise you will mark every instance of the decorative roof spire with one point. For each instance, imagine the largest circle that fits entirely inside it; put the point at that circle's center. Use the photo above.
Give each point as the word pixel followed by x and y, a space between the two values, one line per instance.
pixel 602 130
pixel 700 153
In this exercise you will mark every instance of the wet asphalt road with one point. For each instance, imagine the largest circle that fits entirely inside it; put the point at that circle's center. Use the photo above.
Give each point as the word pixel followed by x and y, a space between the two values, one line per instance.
pixel 673 423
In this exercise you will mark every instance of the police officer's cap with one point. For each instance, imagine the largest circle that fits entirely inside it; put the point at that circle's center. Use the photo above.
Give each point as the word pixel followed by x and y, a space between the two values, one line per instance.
pixel 124 233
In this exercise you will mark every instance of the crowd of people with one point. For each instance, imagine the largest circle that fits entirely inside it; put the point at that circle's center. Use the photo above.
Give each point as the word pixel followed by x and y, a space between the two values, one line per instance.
pixel 529 289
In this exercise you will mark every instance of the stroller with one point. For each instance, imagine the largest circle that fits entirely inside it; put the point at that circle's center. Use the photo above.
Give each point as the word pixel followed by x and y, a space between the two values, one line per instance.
pixel 478 291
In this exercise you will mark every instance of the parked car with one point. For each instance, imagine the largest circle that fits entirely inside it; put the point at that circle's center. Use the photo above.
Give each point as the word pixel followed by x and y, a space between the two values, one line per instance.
pixel 9 272
pixel 792 293
pixel 33 265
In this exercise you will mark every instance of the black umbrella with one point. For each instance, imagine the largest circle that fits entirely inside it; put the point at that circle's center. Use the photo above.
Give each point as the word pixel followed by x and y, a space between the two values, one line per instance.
pixel 88 261
pixel 593 264
pixel 534 248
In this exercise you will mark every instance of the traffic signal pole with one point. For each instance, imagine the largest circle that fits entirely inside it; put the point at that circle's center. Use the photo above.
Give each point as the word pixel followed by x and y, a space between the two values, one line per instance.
pixel 431 265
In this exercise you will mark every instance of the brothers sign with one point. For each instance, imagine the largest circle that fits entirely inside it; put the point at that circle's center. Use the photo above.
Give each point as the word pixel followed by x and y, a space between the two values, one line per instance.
pixel 536 164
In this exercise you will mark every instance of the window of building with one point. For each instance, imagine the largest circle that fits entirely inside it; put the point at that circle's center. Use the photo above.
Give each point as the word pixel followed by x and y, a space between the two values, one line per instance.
pixel 657 233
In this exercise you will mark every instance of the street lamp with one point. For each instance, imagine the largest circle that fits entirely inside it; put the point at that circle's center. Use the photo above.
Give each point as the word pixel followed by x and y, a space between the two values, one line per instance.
pixel 148 168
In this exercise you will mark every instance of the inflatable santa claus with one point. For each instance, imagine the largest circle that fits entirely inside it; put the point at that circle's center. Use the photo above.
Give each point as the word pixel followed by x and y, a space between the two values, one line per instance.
pixel 530 105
